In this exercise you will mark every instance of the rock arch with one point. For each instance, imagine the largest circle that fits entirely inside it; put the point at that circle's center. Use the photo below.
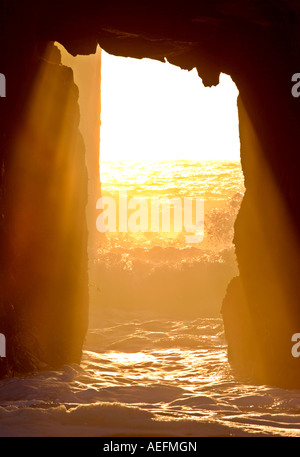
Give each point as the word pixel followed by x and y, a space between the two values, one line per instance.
pixel 257 43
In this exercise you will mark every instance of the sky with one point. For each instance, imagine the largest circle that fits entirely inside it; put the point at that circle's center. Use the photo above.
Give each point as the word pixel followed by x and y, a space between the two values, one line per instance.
pixel 155 110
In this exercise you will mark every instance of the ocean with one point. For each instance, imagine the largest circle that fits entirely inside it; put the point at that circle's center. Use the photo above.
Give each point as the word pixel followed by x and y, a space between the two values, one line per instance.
pixel 161 271
pixel 155 358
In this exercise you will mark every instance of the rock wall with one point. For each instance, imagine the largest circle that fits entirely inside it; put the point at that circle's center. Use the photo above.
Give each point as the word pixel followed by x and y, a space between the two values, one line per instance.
pixel 261 308
pixel 257 43
pixel 44 286
pixel 87 77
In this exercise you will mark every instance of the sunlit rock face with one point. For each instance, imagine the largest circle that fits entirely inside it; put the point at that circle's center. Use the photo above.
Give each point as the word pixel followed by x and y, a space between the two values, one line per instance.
pixel 257 43
pixel 44 291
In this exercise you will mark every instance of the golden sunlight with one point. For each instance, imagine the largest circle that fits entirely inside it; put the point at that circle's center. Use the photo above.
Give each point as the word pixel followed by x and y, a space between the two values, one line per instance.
pixel 154 110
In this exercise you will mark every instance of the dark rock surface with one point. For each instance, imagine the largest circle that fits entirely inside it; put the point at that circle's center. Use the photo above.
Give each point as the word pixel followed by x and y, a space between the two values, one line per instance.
pixel 44 285
pixel 257 43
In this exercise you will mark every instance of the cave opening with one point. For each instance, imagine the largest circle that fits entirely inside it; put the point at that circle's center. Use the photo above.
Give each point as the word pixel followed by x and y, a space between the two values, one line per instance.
pixel 153 359
pixel 155 296
pixel 165 138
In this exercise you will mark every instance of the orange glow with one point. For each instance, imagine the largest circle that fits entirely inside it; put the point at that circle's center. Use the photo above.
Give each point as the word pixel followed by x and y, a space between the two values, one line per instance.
pixel 47 173
pixel 154 117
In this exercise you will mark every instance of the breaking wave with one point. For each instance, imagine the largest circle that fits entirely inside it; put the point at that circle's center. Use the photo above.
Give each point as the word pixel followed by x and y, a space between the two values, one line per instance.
pixel 159 271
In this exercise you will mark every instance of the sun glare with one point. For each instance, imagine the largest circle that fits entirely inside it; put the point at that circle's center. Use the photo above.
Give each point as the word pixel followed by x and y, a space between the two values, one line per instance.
pixel 153 110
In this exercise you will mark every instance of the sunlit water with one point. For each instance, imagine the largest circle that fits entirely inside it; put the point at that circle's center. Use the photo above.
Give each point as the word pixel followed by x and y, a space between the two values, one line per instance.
pixel 163 271
pixel 155 370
